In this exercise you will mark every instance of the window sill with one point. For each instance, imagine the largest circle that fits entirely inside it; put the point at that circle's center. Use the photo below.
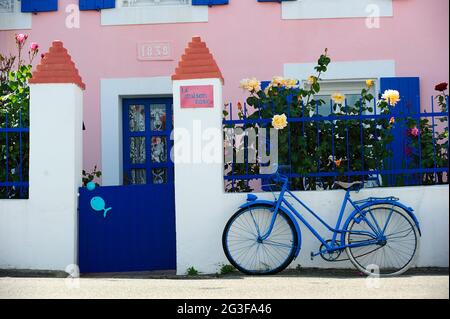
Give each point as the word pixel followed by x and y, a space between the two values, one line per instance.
pixel 313 9
pixel 15 21
pixel 154 15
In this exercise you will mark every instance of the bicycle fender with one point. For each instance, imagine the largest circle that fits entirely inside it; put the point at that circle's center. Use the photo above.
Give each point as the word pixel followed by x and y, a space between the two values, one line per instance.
pixel 409 210
pixel 272 204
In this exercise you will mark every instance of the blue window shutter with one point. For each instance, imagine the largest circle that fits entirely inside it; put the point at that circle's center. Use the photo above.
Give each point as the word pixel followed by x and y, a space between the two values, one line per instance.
pixel 39 5
pixel 409 88
pixel 97 4
pixel 208 2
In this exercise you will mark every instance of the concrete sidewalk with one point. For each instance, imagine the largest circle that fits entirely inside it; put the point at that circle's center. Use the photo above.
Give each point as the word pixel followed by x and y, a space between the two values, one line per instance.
pixel 306 284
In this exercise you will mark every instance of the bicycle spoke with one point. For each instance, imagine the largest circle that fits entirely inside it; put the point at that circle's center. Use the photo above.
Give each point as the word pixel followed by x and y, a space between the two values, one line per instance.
pixel 391 253
pixel 249 251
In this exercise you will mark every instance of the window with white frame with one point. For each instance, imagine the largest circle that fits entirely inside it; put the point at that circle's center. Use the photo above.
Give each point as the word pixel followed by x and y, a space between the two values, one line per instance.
pixel 350 88
pixel 154 12
pixel 7 6
pixel 11 16
pixel 139 3
pixel 330 9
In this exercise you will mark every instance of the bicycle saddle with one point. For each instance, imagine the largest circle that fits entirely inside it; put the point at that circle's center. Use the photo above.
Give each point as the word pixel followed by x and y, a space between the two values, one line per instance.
pixel 347 186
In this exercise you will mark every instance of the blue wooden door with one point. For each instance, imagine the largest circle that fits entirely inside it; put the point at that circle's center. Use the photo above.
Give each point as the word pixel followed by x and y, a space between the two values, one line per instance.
pixel 409 88
pixel 138 232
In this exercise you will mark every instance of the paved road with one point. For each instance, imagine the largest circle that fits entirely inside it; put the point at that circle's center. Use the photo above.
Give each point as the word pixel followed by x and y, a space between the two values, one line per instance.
pixel 283 286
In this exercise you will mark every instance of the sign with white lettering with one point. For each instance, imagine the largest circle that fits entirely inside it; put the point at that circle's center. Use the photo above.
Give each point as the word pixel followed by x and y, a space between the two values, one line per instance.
pixel 155 51
pixel 197 96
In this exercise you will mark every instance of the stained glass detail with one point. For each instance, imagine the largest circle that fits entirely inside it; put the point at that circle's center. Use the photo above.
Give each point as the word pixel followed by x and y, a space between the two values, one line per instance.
pixel 159 175
pixel 158 117
pixel 159 149
pixel 137 118
pixel 138 176
pixel 137 150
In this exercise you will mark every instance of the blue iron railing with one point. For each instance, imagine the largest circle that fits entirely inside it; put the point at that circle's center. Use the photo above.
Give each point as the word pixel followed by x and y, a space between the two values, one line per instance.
pixel 14 155
pixel 412 157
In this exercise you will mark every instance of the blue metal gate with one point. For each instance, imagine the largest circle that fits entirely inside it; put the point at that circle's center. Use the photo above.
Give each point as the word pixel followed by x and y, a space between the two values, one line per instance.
pixel 132 227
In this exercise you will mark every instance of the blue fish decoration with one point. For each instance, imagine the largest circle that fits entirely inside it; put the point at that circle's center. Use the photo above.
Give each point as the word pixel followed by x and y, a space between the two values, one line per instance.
pixel 98 204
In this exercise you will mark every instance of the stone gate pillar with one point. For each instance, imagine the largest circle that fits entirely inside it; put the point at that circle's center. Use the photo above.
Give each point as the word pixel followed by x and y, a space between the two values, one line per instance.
pixel 56 155
pixel 198 151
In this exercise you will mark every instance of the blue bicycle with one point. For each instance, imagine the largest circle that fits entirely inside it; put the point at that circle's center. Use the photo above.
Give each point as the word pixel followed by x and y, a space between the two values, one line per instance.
pixel 381 234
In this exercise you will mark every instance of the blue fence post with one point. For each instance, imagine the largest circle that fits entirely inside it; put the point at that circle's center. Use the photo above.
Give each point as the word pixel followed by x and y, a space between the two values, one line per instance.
pixel 347 141
pixel 433 139
pixel 7 153
pixel 333 123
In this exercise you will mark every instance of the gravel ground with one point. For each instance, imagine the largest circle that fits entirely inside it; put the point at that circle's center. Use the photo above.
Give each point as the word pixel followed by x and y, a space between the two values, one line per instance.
pixel 295 284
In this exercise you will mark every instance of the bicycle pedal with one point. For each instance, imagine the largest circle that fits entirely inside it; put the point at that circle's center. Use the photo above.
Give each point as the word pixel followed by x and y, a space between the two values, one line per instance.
pixel 312 255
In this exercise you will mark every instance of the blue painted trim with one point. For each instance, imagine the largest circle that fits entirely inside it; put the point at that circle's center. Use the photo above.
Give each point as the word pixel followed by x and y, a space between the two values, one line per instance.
pixel 39 5
pixel 209 2
pixel 96 4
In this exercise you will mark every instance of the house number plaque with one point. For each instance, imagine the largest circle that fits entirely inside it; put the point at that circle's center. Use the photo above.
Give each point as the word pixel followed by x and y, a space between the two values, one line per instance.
pixel 155 51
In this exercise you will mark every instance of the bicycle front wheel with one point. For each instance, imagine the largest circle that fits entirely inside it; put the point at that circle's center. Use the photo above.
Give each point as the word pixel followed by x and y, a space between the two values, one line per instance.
pixel 394 252
pixel 250 254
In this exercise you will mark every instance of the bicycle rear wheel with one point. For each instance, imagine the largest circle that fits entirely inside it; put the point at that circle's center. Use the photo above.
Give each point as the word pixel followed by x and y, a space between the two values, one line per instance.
pixel 251 255
pixel 394 253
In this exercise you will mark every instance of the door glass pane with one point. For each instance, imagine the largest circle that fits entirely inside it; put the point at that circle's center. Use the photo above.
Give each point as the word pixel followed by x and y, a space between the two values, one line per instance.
pixel 159 149
pixel 159 175
pixel 137 150
pixel 136 115
pixel 138 176
pixel 158 117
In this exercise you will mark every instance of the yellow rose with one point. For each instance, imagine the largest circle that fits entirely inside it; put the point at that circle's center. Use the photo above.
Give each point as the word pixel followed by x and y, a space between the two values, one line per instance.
pixel 251 85
pixel 291 83
pixel 392 97
pixel 311 80
pixel 279 122
pixel 338 98
pixel 369 83
pixel 278 81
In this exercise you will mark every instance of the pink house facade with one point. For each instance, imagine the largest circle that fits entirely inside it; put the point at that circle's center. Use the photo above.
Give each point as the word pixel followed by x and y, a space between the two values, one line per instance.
pixel 151 78
pixel 133 49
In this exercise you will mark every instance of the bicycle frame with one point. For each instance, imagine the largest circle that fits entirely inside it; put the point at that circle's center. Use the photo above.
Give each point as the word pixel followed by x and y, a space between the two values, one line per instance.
pixel 377 235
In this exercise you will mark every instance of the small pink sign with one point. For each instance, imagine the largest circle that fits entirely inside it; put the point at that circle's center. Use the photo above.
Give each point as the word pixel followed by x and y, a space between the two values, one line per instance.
pixel 197 96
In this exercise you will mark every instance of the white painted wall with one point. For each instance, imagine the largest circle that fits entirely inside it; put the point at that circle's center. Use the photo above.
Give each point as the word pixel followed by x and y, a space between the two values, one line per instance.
pixel 329 9
pixel 200 223
pixel 203 208
pixel 112 91
pixel 41 232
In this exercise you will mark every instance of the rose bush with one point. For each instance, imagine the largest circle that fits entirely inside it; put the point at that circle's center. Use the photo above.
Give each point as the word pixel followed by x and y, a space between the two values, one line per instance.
pixel 428 149
pixel 14 104
pixel 312 142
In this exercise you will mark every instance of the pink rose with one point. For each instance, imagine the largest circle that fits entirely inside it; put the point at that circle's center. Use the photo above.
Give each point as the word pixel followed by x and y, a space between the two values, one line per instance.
pixel 414 131
pixel 34 46
pixel 21 38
